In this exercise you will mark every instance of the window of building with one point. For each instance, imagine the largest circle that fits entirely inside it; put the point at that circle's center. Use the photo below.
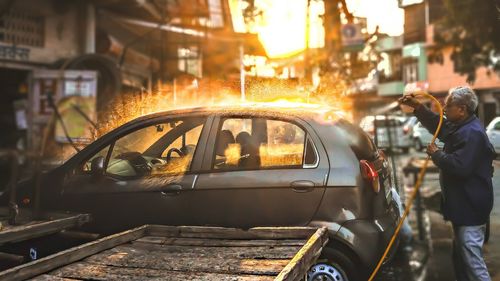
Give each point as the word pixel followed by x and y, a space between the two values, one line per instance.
pixel 189 60
pixel 21 28
pixel 410 71
pixel 216 13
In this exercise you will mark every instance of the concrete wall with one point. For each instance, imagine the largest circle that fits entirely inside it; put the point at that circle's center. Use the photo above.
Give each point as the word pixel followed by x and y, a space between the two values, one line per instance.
pixel 441 76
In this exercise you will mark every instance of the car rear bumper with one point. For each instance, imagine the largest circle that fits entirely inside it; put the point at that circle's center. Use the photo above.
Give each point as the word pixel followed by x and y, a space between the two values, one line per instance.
pixel 370 238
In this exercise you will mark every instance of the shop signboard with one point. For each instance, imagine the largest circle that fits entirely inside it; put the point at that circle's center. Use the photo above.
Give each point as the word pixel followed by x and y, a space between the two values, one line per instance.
pixel 73 92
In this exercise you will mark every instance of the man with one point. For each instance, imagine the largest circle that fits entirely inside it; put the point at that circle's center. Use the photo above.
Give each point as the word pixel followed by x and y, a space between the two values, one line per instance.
pixel 466 170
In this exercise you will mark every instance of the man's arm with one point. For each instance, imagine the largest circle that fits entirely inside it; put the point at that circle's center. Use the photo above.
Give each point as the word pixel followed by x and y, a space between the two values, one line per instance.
pixel 461 162
pixel 430 121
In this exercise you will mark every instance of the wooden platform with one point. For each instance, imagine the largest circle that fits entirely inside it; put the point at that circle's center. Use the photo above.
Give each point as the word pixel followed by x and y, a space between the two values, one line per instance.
pixel 48 224
pixel 153 252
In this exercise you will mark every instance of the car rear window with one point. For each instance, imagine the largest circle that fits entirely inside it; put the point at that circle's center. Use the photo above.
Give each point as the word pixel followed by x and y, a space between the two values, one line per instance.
pixel 360 143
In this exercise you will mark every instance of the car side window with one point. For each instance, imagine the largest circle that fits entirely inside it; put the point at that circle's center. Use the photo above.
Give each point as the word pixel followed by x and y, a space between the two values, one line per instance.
pixel 257 143
pixel 86 166
pixel 187 140
pixel 497 126
pixel 159 149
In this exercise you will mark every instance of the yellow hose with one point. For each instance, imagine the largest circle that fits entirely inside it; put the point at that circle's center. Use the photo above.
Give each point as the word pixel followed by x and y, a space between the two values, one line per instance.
pixel 415 189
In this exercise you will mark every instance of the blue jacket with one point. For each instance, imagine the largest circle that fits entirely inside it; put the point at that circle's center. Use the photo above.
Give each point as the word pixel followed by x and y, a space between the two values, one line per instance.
pixel 466 168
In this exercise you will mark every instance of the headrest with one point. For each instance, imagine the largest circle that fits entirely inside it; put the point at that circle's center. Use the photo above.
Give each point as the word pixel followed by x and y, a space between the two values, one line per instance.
pixel 225 138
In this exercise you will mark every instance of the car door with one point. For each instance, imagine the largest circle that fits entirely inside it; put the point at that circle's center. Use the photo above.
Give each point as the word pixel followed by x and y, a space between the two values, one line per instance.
pixel 147 178
pixel 260 171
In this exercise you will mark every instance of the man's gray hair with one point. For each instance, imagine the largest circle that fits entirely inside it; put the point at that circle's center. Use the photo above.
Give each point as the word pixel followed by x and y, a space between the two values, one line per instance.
pixel 464 95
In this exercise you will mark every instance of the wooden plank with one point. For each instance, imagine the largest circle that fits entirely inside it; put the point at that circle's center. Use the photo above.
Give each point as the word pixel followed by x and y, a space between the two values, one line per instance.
pixel 24 232
pixel 220 242
pixel 161 261
pixel 11 257
pixel 295 232
pixel 231 233
pixel 88 271
pixel 47 277
pixel 256 252
pixel 305 258
pixel 71 255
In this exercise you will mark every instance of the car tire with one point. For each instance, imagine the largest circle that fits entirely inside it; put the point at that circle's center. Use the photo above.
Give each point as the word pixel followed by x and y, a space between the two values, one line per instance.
pixel 418 145
pixel 334 265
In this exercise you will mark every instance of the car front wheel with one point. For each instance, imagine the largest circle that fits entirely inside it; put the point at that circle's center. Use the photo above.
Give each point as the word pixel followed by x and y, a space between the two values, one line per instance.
pixel 333 265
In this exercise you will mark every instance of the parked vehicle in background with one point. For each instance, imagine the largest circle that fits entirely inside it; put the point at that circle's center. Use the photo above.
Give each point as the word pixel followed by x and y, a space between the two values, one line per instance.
pixel 422 137
pixel 400 137
pixel 409 123
pixel 237 167
pixel 493 132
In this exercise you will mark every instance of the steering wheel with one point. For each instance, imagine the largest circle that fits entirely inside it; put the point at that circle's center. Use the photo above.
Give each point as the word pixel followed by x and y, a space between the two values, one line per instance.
pixel 176 150
pixel 137 162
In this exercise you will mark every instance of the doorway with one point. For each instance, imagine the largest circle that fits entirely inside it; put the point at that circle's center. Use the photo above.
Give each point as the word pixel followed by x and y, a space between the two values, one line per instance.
pixel 13 122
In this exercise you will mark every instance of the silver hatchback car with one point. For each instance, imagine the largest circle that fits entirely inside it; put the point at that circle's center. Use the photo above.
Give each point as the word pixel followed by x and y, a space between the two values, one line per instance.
pixel 493 132
pixel 400 136
pixel 238 167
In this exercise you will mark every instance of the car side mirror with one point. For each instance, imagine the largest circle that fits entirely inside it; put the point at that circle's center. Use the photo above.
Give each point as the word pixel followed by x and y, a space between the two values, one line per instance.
pixel 97 166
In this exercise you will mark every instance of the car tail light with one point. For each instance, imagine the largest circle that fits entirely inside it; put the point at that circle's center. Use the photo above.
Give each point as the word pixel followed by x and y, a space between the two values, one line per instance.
pixel 406 130
pixel 370 174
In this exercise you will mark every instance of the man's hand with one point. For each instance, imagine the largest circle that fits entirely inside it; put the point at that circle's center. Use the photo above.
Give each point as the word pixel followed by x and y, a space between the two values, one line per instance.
pixel 410 100
pixel 431 148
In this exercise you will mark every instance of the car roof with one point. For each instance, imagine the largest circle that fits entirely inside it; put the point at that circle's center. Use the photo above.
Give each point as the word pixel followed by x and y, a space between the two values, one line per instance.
pixel 278 109
pixel 493 122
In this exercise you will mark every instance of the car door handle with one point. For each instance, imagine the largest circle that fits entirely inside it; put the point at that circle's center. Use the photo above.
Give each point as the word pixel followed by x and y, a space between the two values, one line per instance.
pixel 302 186
pixel 171 190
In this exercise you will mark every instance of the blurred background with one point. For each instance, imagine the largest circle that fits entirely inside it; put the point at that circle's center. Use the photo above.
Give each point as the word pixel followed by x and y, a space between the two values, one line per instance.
pixel 72 70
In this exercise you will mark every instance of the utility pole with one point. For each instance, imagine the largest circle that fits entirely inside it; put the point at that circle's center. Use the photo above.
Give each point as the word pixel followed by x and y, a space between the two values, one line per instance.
pixel 307 64
pixel 331 24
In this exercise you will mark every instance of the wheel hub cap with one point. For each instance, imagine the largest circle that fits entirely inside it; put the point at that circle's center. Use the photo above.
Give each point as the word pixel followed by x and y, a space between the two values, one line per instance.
pixel 325 272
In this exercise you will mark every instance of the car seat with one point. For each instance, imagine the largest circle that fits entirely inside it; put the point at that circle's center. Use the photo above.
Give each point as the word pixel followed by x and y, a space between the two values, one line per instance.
pixel 225 138
pixel 250 158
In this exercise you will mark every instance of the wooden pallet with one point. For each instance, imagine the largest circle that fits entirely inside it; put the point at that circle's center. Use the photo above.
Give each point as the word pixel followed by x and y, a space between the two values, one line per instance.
pixel 154 252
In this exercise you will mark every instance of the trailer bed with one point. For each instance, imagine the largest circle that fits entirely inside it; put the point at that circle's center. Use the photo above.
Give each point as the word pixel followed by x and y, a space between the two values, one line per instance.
pixel 154 252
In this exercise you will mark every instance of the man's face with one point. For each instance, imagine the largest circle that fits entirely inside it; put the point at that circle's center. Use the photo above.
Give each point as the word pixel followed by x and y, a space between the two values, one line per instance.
pixel 454 112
